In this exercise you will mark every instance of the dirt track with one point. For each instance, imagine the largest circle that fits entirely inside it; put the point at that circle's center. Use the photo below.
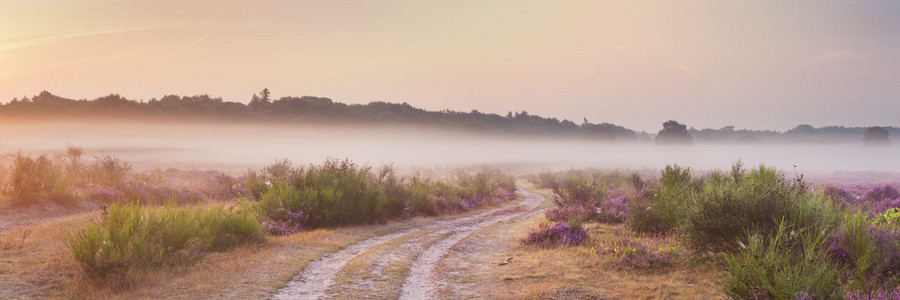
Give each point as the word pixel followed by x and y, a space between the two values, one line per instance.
pixel 397 265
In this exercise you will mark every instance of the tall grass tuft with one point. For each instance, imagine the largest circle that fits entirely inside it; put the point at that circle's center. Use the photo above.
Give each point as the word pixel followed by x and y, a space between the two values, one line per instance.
pixel 784 265
pixel 130 237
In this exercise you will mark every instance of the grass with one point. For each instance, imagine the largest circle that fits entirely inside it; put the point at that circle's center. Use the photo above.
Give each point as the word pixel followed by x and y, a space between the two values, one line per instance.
pixel 340 193
pixel 129 238
pixel 780 238
pixel 43 267
pixel 568 272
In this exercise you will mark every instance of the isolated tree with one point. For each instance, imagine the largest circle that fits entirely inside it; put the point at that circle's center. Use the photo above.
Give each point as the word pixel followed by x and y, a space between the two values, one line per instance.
pixel 876 136
pixel 674 133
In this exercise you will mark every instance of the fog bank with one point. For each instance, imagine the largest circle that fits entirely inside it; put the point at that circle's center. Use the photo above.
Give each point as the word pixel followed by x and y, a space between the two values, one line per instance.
pixel 240 146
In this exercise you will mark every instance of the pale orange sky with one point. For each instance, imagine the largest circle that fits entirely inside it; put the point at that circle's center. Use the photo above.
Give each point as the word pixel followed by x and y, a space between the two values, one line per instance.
pixel 751 64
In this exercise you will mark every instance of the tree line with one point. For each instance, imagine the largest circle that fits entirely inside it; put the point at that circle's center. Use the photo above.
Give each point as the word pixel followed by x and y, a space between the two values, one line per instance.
pixel 319 110
pixel 308 109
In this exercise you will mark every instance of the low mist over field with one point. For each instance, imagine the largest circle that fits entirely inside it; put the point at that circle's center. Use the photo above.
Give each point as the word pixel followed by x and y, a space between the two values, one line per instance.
pixel 238 146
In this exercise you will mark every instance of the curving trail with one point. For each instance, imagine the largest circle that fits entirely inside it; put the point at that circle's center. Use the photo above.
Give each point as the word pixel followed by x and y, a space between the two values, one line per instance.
pixel 420 283
pixel 419 249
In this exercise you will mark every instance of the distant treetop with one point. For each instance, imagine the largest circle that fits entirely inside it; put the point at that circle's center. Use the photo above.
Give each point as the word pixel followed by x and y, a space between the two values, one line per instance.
pixel 876 136
pixel 674 133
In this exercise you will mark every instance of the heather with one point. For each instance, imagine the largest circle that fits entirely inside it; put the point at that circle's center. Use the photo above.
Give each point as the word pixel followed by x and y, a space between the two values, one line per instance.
pixel 556 234
pixel 636 254
pixel 338 193
pixel 580 197
pixel 779 236
pixel 70 178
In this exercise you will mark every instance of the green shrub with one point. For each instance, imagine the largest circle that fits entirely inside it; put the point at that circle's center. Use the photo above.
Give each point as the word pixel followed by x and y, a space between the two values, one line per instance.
pixel 130 237
pixel 787 264
pixel 109 170
pixel 662 209
pixel 33 178
pixel 888 219
pixel 339 193
pixel 578 189
pixel 544 180
pixel 421 197
pixel 870 253
pixel 728 208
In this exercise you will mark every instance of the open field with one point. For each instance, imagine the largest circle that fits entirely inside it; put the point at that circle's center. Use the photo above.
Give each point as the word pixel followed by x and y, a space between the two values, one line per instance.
pixel 342 230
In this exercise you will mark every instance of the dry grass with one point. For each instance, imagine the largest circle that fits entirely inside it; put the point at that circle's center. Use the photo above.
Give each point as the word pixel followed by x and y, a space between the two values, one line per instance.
pixel 472 268
pixel 41 266
pixel 44 268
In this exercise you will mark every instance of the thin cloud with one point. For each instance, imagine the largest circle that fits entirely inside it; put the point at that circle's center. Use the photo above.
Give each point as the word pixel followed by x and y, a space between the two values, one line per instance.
pixel 193 43
pixel 36 42
pixel 681 66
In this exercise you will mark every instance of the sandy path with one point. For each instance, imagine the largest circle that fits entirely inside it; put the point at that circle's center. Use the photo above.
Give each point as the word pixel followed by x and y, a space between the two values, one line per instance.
pixel 420 284
pixel 319 276
pixel 13 216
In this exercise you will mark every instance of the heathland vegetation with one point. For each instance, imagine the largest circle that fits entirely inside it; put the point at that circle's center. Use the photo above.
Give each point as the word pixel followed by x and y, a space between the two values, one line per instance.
pixel 776 237
pixel 154 219
pixel 319 110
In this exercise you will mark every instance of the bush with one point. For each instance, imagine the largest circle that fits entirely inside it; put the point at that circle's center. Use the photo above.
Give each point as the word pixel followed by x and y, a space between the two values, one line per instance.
pixel 544 180
pixel 881 193
pixel 784 265
pixel 869 250
pixel 572 213
pixel 578 189
pixel 556 234
pixel 33 178
pixel 109 170
pixel 339 193
pixel 725 210
pixel 130 237
pixel 614 209
pixel 662 210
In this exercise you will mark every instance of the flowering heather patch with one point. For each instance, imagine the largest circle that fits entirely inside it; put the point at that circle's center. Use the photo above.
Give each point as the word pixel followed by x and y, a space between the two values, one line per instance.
pixel 879 295
pixel 841 195
pixel 292 222
pixel 636 255
pixel 615 208
pixel 884 205
pixel 881 193
pixel 505 195
pixel 107 194
pixel 557 234
pixel 144 192
pixel 868 249
pixel 574 213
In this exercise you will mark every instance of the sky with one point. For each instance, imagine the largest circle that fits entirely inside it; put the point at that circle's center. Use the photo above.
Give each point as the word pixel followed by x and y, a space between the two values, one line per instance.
pixel 751 64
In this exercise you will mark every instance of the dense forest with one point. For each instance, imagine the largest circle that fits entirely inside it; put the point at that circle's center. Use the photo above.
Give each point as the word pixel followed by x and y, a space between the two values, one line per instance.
pixel 318 110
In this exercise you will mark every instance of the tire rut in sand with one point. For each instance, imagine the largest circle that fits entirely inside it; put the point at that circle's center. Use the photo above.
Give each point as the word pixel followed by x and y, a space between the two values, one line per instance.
pixel 315 281
pixel 420 283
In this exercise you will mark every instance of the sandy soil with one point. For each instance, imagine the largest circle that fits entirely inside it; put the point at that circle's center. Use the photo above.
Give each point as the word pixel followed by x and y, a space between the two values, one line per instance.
pixel 15 215
pixel 414 253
